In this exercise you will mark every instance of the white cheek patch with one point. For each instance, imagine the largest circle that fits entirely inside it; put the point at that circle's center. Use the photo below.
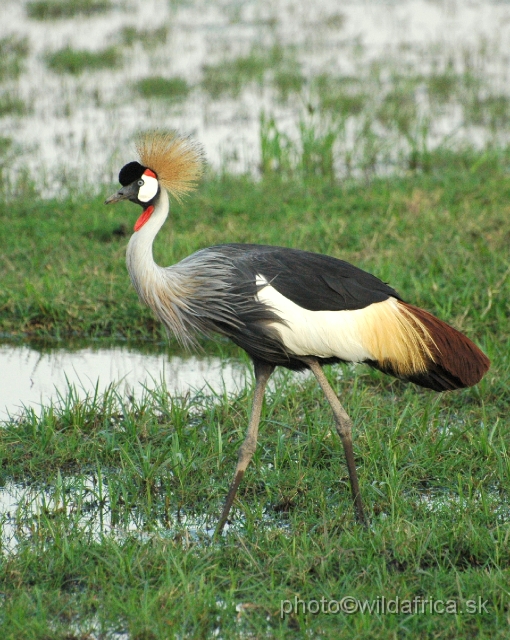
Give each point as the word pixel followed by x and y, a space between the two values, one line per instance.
pixel 148 189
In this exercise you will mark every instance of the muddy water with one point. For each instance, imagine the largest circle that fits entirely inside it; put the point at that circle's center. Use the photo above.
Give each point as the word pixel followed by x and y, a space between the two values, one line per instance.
pixel 29 378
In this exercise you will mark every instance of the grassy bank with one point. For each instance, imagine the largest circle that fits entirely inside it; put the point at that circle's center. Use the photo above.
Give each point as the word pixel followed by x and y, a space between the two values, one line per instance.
pixel 120 545
pixel 440 238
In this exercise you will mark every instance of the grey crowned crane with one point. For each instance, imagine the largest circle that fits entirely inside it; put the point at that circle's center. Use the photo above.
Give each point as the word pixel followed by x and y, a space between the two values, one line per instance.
pixel 284 307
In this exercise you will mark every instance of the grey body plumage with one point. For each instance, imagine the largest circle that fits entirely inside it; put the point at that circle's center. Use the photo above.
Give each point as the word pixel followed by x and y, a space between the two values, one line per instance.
pixel 206 292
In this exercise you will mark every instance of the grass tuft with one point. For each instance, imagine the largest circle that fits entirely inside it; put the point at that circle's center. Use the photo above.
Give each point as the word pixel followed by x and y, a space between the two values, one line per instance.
pixel 229 77
pixel 443 87
pixel 13 52
pixel 339 95
pixel 174 89
pixel 11 105
pixel 149 38
pixel 492 111
pixel 76 61
pixel 288 80
pixel 399 109
pixel 335 21
pixel 53 9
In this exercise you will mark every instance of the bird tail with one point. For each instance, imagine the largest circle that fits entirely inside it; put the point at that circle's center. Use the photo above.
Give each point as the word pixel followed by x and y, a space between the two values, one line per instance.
pixel 449 359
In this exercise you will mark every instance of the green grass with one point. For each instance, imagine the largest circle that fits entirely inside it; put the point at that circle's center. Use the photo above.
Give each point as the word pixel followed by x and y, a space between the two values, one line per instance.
pixel 398 109
pixel 442 87
pixel 13 52
pixel 230 76
pixel 53 9
pixel 335 21
pixel 393 111
pixel 149 38
pixel 76 61
pixel 340 95
pixel 5 146
pixel 162 461
pixel 131 488
pixel 11 104
pixel 492 111
pixel 434 469
pixel 174 89
pixel 288 80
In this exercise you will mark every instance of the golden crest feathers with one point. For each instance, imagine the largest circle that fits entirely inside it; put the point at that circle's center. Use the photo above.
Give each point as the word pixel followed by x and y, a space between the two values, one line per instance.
pixel 178 162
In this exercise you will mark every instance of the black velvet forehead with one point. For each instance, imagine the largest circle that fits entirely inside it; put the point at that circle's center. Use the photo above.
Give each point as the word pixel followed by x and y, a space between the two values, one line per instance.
pixel 130 172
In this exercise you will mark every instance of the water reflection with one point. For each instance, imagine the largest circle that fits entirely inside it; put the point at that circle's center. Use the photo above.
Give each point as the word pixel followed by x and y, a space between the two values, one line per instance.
pixel 84 502
pixel 29 378
pixel 88 505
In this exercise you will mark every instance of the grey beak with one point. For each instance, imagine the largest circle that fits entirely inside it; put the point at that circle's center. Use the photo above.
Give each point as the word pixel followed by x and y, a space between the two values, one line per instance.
pixel 127 192
pixel 116 197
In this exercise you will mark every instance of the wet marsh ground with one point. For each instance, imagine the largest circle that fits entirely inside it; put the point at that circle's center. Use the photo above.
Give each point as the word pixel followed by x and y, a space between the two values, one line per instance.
pixel 382 84
pixel 325 138
pixel 109 502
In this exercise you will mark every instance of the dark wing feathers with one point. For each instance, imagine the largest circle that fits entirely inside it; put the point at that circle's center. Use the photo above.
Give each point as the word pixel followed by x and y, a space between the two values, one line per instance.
pixel 356 294
pixel 313 281
pixel 321 283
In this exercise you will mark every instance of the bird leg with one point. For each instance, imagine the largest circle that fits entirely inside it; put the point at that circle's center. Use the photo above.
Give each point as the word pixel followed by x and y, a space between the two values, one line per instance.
pixel 247 449
pixel 344 428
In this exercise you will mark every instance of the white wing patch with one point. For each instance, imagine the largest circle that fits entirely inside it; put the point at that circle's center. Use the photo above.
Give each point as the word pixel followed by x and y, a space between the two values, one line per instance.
pixel 323 334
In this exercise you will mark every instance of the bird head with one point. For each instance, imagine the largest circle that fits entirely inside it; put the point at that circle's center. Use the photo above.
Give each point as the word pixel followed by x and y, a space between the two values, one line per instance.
pixel 139 185
pixel 167 162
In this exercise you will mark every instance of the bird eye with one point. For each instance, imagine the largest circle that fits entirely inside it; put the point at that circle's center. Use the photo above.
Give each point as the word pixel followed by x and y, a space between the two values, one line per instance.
pixel 141 183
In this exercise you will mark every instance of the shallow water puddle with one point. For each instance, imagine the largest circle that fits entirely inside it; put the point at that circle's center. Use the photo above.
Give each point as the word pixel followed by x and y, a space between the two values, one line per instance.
pixel 29 378
pixel 441 501
pixel 83 504
pixel 86 505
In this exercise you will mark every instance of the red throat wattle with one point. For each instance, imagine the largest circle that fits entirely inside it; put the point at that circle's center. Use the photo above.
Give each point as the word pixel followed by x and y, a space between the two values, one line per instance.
pixel 144 217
